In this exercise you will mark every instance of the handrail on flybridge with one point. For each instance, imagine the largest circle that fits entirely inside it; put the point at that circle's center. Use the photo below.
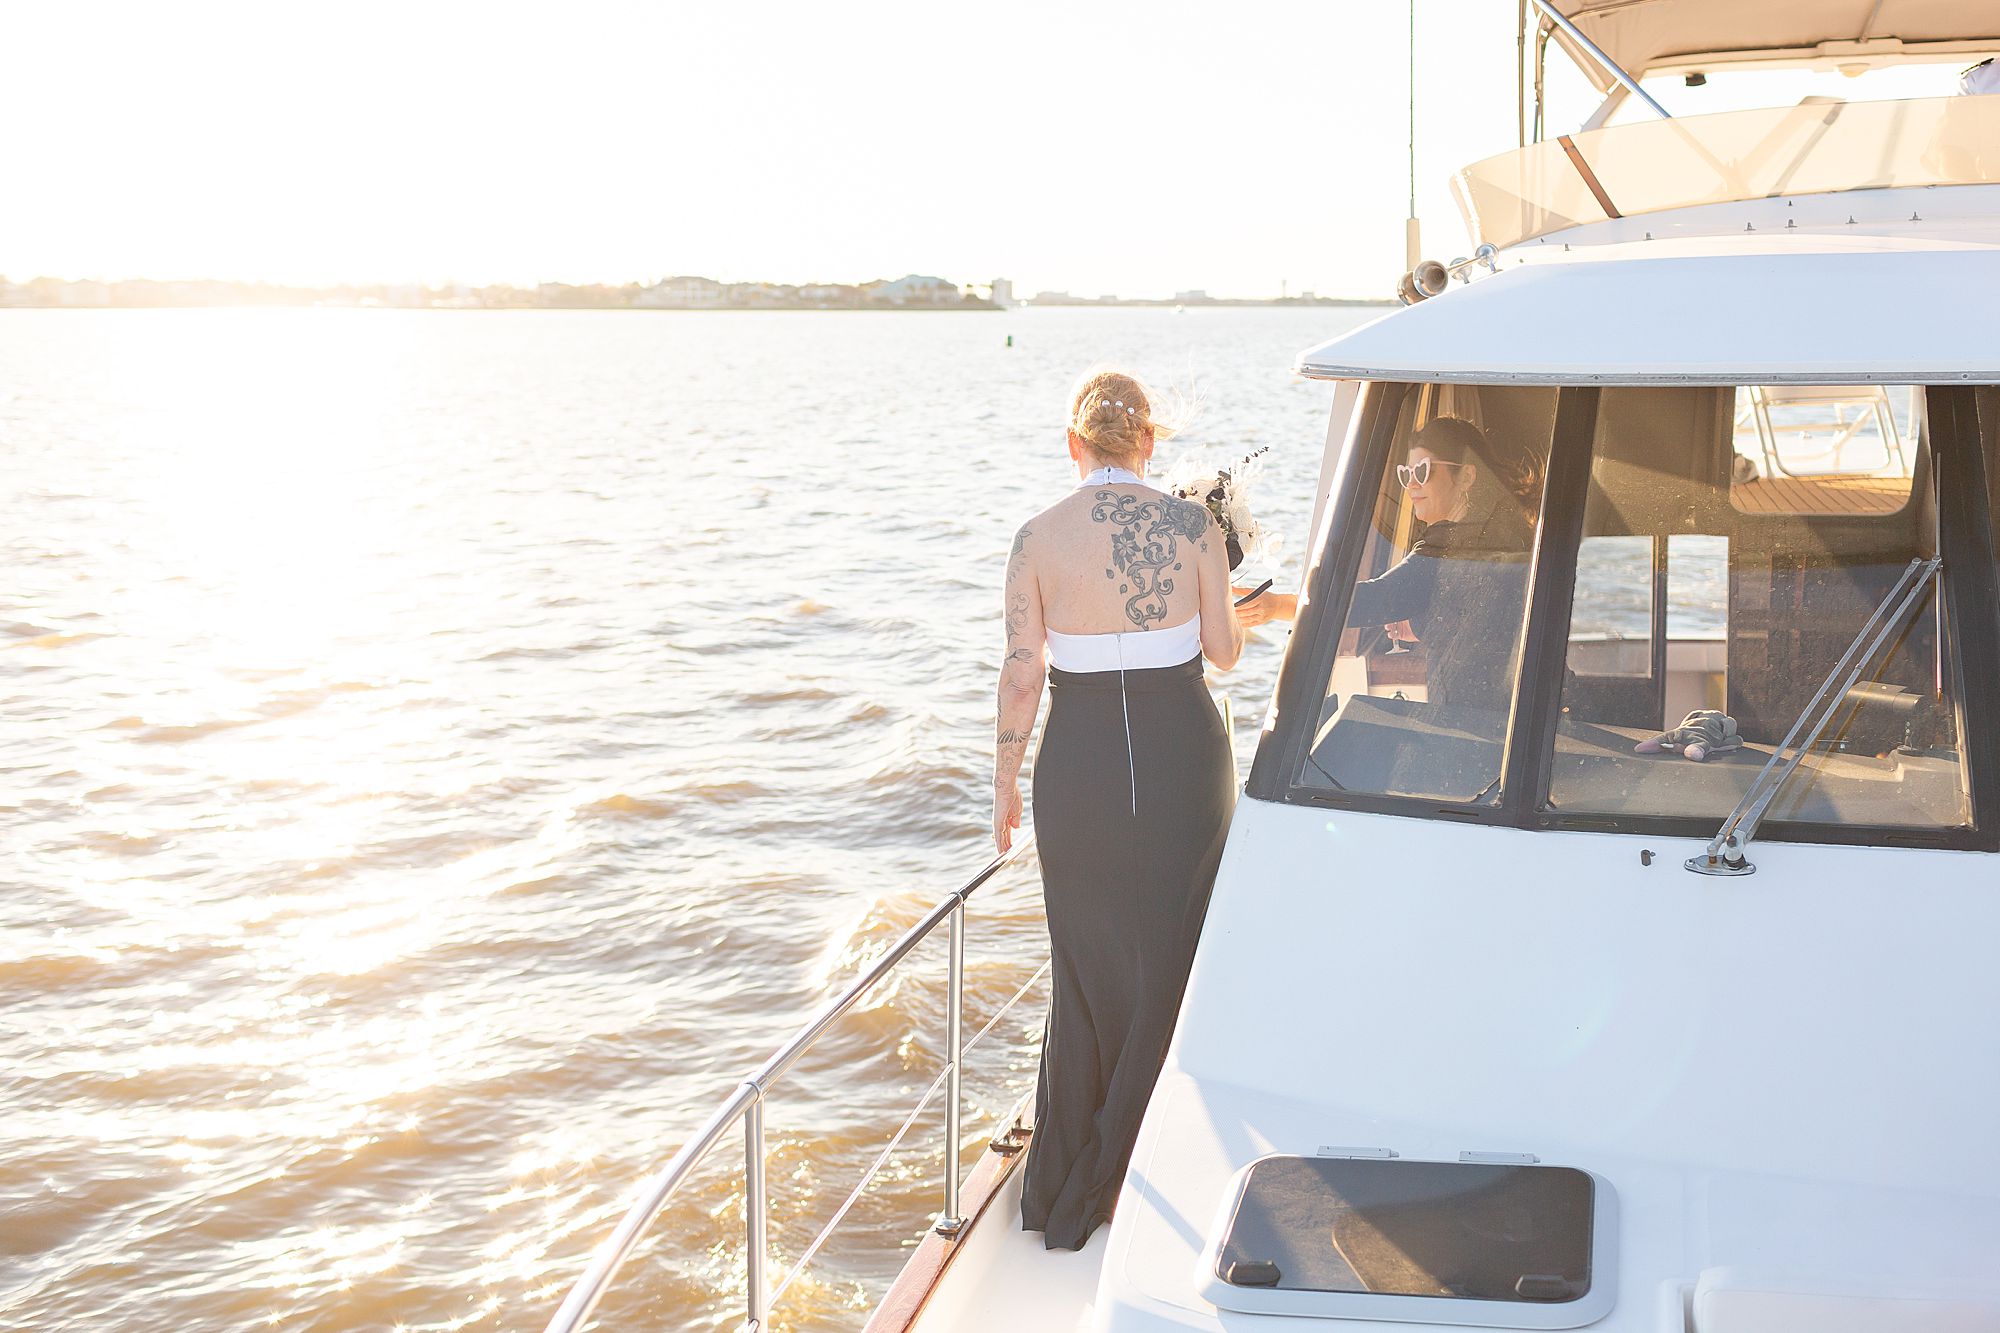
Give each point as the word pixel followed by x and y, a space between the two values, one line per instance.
pixel 746 1104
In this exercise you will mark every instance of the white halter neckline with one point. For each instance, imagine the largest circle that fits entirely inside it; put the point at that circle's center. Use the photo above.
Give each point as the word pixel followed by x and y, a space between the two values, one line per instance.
pixel 1105 475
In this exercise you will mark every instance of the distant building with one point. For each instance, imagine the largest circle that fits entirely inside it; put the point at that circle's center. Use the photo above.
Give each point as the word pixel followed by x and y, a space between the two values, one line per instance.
pixel 683 293
pixel 1193 297
pixel 915 289
pixel 1056 298
pixel 830 293
pixel 84 293
pixel 758 294
pixel 1003 292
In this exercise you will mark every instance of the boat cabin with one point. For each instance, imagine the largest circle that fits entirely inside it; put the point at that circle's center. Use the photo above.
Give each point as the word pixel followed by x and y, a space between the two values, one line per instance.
pixel 1466 1044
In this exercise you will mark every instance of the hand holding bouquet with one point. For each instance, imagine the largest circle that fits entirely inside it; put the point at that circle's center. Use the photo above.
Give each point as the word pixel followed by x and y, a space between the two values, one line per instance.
pixel 1223 491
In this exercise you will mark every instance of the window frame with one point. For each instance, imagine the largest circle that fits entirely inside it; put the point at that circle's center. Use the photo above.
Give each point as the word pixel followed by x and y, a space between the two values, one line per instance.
pixel 1970 600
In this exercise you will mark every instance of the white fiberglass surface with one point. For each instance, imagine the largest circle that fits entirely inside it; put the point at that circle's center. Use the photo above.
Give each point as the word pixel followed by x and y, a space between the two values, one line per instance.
pixel 1769 317
pixel 1653 165
pixel 1789 1074
pixel 1003 1281
pixel 1779 314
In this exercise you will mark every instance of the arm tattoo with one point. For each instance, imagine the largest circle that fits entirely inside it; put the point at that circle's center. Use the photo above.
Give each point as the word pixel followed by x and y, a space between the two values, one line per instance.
pixel 1017 601
pixel 1017 559
pixel 1145 546
pixel 1010 747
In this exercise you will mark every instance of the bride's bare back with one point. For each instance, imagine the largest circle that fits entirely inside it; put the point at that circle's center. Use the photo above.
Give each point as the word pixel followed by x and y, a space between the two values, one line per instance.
pixel 1112 557
pixel 1118 557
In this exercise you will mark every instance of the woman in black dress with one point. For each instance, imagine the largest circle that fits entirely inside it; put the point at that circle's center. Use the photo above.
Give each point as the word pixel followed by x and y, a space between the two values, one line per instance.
pixel 1120 590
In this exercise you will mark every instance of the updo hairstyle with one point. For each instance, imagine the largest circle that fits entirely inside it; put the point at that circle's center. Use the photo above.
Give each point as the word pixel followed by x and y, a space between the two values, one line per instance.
pixel 1503 470
pixel 1113 413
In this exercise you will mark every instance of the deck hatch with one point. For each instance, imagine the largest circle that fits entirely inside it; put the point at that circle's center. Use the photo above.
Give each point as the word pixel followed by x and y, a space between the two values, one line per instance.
pixel 1506 1245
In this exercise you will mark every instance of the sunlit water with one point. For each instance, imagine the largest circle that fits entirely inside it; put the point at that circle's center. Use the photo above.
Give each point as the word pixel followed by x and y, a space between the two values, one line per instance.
pixel 444 752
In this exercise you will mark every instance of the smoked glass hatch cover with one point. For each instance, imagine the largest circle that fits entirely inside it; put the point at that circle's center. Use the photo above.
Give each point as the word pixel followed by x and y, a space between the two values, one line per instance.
pixel 1358 1237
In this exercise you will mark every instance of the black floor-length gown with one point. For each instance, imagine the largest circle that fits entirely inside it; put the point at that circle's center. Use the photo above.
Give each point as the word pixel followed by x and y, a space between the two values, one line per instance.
pixel 1129 845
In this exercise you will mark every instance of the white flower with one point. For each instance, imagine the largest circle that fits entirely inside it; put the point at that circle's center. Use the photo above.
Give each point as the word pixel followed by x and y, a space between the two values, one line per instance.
pixel 1196 477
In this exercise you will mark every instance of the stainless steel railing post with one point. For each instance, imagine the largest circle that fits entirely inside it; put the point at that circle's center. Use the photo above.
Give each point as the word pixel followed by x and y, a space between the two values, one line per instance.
pixel 756 1221
pixel 747 1102
pixel 950 1222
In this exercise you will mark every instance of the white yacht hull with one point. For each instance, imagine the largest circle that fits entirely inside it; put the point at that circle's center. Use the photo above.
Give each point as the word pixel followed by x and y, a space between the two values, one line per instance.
pixel 1792 1076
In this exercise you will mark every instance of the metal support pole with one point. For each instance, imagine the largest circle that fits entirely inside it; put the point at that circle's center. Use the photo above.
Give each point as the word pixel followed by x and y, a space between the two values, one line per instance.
pixel 1725 853
pixel 756 1221
pixel 1541 75
pixel 1521 72
pixel 1605 62
pixel 951 1222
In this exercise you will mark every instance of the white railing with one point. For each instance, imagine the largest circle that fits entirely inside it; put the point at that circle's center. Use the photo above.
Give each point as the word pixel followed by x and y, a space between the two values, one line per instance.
pixel 746 1105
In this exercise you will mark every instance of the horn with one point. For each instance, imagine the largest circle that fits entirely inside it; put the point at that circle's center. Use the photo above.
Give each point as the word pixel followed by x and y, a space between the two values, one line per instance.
pixel 1426 280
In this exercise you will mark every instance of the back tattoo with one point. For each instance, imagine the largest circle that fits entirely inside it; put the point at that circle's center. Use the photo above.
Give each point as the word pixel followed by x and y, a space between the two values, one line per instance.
pixel 1145 546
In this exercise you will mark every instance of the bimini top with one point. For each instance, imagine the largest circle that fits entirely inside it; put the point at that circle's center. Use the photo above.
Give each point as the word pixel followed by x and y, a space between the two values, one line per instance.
pixel 1655 35
pixel 1692 313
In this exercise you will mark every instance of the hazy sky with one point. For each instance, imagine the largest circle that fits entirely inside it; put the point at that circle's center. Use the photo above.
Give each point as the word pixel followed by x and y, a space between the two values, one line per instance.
pixel 1094 147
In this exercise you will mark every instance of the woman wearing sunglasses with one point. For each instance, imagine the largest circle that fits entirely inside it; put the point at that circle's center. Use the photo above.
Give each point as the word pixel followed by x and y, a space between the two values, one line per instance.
pixel 1460 589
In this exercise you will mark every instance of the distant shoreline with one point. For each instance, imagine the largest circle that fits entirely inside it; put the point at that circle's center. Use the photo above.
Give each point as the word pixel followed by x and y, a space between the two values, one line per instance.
pixel 1284 302
pixel 983 307
pixel 915 292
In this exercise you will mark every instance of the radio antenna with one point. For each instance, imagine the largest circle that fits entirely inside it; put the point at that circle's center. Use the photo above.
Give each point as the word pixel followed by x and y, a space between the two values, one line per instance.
pixel 1412 244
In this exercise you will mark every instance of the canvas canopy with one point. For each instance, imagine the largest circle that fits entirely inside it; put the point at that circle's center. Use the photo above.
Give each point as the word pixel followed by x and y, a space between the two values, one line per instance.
pixel 1647 34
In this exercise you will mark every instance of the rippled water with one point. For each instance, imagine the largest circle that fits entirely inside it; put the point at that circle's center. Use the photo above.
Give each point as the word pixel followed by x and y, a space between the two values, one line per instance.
pixel 443 752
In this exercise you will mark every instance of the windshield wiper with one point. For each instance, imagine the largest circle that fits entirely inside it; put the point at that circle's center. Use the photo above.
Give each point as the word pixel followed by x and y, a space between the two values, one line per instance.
pixel 1724 854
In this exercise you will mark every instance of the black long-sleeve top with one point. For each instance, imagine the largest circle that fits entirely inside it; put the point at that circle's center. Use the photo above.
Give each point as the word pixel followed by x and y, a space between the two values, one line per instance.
pixel 1463 588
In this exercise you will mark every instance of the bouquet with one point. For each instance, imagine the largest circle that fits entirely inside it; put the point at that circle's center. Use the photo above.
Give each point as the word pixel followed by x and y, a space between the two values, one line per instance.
pixel 1222 491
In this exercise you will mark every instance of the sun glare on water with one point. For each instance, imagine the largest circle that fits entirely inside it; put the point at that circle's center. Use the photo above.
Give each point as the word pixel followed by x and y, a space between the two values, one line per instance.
pixel 261 439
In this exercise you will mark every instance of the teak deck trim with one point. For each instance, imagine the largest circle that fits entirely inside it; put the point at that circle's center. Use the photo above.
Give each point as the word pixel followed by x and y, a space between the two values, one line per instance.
pixel 912 1289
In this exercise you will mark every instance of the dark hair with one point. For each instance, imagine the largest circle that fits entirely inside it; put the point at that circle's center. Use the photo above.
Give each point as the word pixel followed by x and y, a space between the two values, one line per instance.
pixel 1516 471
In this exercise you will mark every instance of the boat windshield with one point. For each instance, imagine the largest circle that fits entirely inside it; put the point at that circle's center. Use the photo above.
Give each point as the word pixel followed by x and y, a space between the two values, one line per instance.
pixel 1727 549
pixel 1752 583
pixel 1423 677
pixel 1817 147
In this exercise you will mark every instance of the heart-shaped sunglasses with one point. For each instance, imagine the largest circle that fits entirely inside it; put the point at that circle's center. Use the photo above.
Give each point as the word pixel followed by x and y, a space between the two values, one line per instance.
pixel 1419 473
